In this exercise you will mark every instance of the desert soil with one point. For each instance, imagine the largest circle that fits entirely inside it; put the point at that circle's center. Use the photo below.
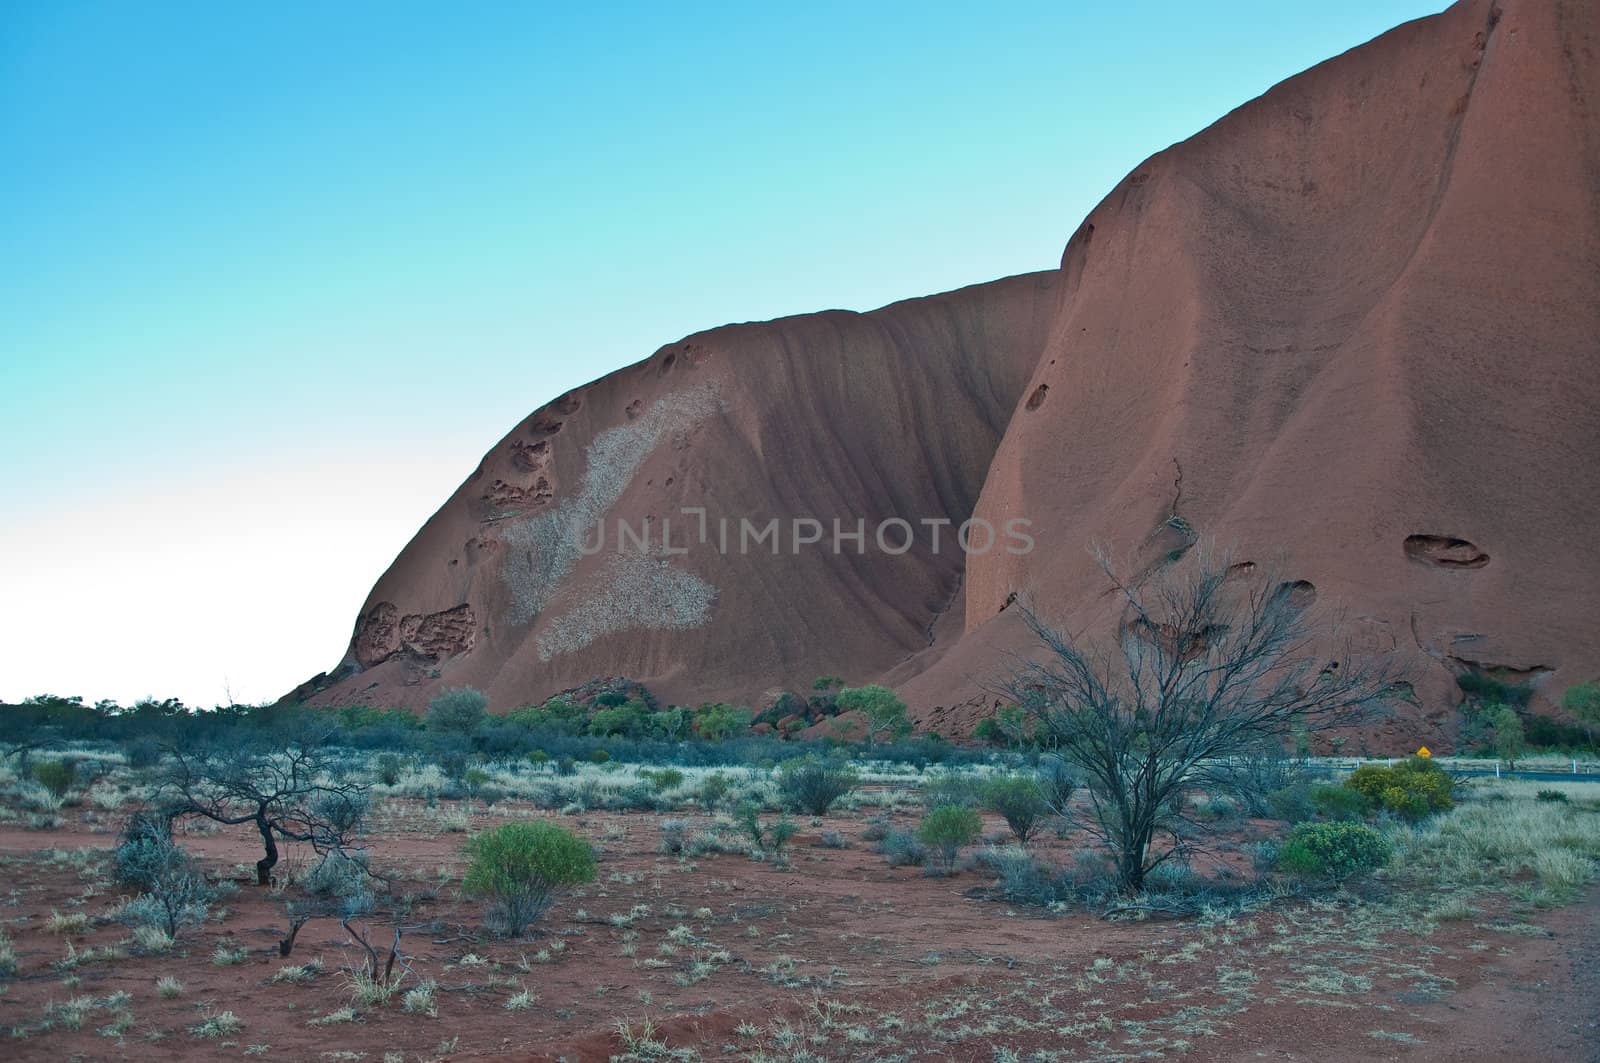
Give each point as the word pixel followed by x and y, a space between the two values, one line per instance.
pixel 838 956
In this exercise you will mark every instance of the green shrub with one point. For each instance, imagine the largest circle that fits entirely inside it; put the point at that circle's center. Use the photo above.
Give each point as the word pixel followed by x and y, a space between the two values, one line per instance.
pixel 599 756
pixel 1415 788
pixel 1510 740
pixel 54 775
pixel 458 711
pixel 628 720
pixel 662 779
pixel 1019 800
pixel 948 830
pixel 1340 802
pixel 883 711
pixel 770 841
pixel 389 767
pixel 1058 781
pixel 1551 795
pixel 988 730
pixel 1491 691
pixel 813 784
pixel 519 867
pixel 1583 701
pixel 713 789
pixel 1333 850
pixel 556 716
pixel 716 722
pixel 1303 800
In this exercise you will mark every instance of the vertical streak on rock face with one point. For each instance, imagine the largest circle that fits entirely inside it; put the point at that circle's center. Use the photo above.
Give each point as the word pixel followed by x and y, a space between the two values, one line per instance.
pixel 544 548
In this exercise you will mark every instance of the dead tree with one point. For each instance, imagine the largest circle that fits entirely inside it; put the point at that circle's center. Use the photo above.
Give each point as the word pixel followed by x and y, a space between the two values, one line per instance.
pixel 380 972
pixel 1209 661
pixel 286 794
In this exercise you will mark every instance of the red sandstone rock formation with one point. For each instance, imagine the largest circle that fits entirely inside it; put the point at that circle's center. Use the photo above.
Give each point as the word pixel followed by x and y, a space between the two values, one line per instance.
pixel 1354 326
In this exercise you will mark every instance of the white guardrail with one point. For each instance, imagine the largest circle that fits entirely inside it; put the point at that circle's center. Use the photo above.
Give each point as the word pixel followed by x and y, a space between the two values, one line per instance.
pixel 1542 765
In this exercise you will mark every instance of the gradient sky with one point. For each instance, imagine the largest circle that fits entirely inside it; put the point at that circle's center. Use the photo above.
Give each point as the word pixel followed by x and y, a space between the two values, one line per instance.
pixel 273 277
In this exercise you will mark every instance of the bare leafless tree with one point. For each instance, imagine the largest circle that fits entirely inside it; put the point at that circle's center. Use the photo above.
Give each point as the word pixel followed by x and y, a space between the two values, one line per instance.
pixel 287 793
pixel 1209 661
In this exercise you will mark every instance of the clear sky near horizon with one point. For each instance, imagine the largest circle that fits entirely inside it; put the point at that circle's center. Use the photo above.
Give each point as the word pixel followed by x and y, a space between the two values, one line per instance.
pixel 274 277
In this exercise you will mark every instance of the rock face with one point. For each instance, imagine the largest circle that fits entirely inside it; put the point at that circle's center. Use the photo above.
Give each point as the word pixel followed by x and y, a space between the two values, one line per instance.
pixel 1352 328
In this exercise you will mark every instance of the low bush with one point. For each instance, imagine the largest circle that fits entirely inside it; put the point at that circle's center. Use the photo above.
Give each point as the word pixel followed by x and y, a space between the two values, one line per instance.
pixel 714 789
pixel 1024 879
pixel 662 779
pixel 1333 850
pixel 1304 800
pixel 1058 781
pixel 812 784
pixel 1256 778
pixel 459 711
pixel 519 867
pixel 948 830
pixel 901 848
pixel 949 788
pixel 1019 800
pixel 57 776
pixel 1551 795
pixel 343 877
pixel 674 834
pixel 1414 789
pixel 389 768
pixel 173 891
pixel 146 844
pixel 766 840
pixel 142 752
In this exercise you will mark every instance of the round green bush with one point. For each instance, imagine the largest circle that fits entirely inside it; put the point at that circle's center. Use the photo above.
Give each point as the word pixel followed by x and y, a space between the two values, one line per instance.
pixel 1019 800
pixel 518 867
pixel 713 788
pixel 662 779
pixel 54 775
pixel 1415 788
pixel 948 830
pixel 1333 850
pixel 812 784
pixel 458 711
pixel 1337 802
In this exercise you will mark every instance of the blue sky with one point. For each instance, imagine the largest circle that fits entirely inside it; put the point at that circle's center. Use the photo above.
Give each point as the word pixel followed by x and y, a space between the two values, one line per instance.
pixel 274 277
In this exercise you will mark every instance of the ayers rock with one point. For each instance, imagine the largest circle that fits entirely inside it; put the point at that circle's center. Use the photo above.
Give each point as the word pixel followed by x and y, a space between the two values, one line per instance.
pixel 1361 314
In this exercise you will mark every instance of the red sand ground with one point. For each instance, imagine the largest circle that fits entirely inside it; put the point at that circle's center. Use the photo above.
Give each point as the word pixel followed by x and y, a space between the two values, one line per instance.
pixel 931 968
pixel 1359 315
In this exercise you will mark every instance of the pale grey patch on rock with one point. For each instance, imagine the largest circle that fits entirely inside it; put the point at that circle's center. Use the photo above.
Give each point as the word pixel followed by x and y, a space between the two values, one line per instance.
pixel 639 592
pixel 543 549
